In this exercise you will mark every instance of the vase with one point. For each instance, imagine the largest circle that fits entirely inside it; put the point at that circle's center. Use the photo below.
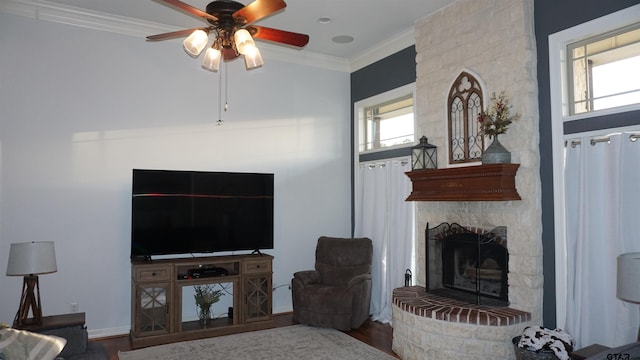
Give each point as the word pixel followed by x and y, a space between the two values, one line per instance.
pixel 496 153
pixel 204 313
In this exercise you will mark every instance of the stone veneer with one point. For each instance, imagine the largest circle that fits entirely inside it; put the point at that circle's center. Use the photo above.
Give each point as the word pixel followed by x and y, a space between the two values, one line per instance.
pixel 427 326
pixel 493 40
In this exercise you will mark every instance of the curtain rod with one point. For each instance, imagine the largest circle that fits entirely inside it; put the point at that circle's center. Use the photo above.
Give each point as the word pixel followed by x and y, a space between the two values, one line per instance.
pixel 633 137
pixel 382 164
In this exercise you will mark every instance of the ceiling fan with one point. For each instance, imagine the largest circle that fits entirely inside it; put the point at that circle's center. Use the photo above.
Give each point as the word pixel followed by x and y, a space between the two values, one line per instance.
pixel 232 24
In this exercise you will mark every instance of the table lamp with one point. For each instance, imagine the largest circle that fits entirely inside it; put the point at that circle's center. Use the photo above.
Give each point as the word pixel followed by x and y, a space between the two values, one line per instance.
pixel 29 259
pixel 628 288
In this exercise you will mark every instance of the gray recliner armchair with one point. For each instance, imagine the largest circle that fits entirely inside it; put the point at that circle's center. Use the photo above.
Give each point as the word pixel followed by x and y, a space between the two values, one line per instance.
pixel 337 293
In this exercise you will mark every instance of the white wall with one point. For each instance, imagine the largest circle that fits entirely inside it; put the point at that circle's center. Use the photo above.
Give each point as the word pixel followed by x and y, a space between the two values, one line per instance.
pixel 79 108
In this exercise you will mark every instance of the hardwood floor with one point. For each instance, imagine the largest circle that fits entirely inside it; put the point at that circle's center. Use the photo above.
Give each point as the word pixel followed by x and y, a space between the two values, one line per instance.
pixel 373 333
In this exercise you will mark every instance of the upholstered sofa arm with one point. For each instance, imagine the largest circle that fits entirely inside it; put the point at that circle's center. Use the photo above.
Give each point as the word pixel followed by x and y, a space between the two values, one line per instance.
pixel 307 277
pixel 357 280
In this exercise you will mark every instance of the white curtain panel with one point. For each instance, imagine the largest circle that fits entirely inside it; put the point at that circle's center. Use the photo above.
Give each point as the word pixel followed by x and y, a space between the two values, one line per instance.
pixel 602 195
pixel 383 215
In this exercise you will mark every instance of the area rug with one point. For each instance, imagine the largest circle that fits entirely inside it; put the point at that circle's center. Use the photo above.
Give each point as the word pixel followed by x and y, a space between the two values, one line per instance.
pixel 291 342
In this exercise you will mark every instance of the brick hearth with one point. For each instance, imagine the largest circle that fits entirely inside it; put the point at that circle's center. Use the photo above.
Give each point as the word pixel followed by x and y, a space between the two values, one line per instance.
pixel 428 326
pixel 418 301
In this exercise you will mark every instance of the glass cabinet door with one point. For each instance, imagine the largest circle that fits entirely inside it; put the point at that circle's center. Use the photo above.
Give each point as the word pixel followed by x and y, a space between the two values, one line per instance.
pixel 257 298
pixel 152 309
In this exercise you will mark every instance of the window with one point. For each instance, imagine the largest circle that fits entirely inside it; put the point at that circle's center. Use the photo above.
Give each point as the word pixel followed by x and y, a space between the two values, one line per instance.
pixel 386 120
pixel 603 71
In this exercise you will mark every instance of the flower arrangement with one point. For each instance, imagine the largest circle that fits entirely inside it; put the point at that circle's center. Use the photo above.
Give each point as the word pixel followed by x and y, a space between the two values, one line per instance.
pixel 497 118
pixel 206 296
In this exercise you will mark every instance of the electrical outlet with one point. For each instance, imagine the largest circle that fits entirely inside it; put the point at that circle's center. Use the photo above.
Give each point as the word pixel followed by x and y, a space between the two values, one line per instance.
pixel 74 307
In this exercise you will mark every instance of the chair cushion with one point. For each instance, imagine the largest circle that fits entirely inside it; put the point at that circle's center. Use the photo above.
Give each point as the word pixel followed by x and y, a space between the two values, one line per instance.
pixel 338 260
pixel 21 344
pixel 326 299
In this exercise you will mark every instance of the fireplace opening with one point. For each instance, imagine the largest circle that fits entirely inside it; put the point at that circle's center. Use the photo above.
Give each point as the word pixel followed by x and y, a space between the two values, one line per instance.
pixel 468 263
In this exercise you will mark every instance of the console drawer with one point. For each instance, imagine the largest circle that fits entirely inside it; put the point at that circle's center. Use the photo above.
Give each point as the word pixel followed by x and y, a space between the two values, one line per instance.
pixel 153 273
pixel 257 266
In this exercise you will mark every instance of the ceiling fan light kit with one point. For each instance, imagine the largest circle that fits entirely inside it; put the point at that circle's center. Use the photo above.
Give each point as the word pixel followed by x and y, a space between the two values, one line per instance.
pixel 195 43
pixel 212 59
pixel 231 22
pixel 253 59
pixel 244 41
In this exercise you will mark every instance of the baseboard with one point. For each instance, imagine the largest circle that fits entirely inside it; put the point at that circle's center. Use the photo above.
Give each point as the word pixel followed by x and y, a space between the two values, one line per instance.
pixel 108 332
pixel 95 334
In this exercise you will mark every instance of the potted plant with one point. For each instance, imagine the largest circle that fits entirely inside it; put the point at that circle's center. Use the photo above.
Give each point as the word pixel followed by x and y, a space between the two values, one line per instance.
pixel 206 296
pixel 493 122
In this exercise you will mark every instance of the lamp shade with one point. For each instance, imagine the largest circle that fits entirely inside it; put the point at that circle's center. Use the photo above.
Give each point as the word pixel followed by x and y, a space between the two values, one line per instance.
pixel 629 277
pixel 212 59
pixel 253 59
pixel 244 41
pixel 195 43
pixel 31 258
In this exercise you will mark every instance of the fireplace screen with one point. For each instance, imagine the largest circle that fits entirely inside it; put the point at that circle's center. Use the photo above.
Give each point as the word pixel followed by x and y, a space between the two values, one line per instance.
pixel 468 263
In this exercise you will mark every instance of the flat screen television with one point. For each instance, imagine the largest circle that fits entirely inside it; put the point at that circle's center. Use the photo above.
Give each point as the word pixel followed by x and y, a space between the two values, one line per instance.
pixel 186 212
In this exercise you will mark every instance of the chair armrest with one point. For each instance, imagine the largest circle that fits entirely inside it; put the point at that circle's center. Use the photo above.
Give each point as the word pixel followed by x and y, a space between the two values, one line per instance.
pixel 357 280
pixel 307 277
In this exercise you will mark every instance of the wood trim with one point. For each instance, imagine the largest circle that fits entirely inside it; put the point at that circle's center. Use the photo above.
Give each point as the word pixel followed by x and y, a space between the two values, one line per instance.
pixel 492 182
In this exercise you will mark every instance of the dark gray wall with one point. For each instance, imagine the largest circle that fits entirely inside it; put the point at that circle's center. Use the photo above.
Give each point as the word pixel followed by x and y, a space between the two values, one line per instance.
pixel 387 74
pixel 552 16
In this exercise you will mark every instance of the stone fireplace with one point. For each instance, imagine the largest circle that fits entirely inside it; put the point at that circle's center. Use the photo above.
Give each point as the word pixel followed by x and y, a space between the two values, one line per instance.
pixel 502 56
pixel 463 311
pixel 467 263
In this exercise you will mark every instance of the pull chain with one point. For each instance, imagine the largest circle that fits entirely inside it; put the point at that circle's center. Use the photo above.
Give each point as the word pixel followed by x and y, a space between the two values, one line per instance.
pixel 226 89
pixel 219 122
pixel 226 95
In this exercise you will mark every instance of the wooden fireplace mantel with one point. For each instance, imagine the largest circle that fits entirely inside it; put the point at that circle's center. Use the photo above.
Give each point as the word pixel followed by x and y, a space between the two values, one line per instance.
pixel 493 182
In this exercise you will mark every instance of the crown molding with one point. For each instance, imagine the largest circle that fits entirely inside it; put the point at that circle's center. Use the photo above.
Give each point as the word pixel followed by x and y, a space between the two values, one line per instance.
pixel 75 16
pixel 387 48
pixel 71 15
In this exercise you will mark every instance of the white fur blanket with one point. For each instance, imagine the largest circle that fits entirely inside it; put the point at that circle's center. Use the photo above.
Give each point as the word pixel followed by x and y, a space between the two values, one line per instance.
pixel 537 338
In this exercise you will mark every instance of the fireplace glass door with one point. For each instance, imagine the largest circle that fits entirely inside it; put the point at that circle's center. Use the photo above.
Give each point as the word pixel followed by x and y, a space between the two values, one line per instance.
pixel 468 263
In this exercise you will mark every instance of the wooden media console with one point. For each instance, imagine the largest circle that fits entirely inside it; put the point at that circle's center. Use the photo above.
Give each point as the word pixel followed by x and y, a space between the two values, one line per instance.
pixel 157 297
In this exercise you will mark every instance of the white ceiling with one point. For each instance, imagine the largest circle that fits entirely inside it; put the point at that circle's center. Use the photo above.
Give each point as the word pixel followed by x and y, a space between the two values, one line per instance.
pixel 369 22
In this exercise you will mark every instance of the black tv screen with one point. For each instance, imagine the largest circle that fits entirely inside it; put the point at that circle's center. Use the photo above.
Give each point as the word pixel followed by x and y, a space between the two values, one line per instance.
pixel 182 212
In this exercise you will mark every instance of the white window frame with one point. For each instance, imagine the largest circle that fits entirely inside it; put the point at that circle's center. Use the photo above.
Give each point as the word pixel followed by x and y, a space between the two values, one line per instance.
pixel 558 77
pixel 359 106
pixel 591 99
pixel 560 114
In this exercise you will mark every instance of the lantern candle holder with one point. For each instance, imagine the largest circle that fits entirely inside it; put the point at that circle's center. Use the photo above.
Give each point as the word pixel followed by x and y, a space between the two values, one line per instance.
pixel 424 155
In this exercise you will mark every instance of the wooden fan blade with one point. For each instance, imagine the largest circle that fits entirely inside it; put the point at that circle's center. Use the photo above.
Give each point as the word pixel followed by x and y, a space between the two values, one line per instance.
pixel 190 9
pixel 259 9
pixel 280 36
pixel 171 35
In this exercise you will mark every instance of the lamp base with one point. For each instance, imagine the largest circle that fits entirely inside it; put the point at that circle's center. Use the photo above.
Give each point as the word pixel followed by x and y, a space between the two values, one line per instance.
pixel 30 301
